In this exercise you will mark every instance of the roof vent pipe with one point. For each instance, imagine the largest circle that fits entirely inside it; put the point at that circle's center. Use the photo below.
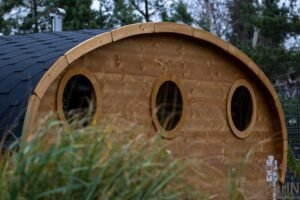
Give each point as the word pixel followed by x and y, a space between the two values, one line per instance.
pixel 57 15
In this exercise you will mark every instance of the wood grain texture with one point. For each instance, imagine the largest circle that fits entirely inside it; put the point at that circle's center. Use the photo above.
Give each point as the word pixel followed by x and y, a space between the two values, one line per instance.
pixel 31 116
pixel 169 27
pixel 131 30
pixel 139 29
pixel 128 69
pixel 208 37
pixel 205 135
pixel 88 45
pixel 47 107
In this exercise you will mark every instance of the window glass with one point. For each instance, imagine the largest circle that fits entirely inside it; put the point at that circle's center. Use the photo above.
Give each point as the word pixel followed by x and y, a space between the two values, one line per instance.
pixel 241 108
pixel 78 99
pixel 169 105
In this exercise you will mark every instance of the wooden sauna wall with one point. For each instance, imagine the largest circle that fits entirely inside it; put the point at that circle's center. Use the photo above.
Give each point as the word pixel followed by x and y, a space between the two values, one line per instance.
pixel 127 70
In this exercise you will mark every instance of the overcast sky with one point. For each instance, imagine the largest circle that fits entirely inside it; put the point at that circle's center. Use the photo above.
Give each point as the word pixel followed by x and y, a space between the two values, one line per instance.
pixel 95 4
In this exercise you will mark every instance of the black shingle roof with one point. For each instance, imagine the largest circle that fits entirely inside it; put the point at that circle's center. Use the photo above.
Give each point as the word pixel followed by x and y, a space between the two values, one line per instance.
pixel 23 61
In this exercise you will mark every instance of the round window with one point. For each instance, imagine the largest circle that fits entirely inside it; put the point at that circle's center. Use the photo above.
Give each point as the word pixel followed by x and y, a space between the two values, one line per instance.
pixel 79 99
pixel 168 105
pixel 241 108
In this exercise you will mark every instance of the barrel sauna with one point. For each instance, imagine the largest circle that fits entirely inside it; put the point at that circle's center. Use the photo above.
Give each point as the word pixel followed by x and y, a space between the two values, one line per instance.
pixel 208 100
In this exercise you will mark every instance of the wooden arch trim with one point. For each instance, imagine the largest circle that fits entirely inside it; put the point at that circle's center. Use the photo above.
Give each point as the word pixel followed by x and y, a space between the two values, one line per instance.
pixel 147 28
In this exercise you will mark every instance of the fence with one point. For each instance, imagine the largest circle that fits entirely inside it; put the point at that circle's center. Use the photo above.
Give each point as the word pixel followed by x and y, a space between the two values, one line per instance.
pixel 290 99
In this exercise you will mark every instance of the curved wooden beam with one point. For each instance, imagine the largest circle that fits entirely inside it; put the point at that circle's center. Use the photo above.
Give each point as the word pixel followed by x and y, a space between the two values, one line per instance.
pixel 147 28
pixel 31 115
pixel 131 30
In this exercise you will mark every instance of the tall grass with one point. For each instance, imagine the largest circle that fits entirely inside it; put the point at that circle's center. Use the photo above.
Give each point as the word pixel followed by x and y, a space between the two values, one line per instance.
pixel 63 162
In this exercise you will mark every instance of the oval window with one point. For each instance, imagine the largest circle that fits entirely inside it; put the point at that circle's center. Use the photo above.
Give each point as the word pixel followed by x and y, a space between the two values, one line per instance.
pixel 169 105
pixel 241 108
pixel 78 100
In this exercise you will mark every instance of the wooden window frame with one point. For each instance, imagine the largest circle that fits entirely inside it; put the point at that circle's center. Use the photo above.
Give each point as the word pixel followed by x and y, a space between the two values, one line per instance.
pixel 245 133
pixel 175 131
pixel 66 77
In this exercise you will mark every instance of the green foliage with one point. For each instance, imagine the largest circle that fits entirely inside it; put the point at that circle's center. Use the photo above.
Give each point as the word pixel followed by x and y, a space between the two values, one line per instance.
pixel 293 164
pixel 91 163
pixel 124 14
pixel 269 18
pixel 103 16
pixel 148 9
pixel 234 185
pixel 8 5
pixel 274 25
pixel 79 14
pixel 181 13
pixel 178 12
pixel 274 61
pixel 6 25
pixel 242 14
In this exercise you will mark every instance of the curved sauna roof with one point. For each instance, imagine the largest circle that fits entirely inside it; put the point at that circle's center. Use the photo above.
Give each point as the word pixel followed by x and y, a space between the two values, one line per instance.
pixel 24 61
pixel 31 63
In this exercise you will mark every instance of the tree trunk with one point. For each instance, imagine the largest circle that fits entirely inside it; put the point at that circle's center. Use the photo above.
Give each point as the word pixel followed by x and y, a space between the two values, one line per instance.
pixel 147 17
pixel 255 37
pixel 35 16
pixel 261 8
pixel 209 15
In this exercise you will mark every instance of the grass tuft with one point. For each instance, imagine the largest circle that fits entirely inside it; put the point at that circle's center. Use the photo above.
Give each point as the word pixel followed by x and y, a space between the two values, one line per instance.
pixel 67 162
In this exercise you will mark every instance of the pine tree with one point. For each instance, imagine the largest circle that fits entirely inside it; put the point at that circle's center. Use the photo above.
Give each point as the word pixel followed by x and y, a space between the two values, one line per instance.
pixel 148 9
pixel 29 18
pixel 79 14
pixel 260 31
pixel 123 14
pixel 36 19
pixel 212 15
pixel 103 15
pixel 181 13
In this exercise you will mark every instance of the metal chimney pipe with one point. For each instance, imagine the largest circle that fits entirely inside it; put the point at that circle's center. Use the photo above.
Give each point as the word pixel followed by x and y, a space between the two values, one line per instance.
pixel 57 15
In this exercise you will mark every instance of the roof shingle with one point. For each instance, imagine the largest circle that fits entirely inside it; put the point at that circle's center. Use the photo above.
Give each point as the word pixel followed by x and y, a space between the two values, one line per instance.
pixel 23 61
